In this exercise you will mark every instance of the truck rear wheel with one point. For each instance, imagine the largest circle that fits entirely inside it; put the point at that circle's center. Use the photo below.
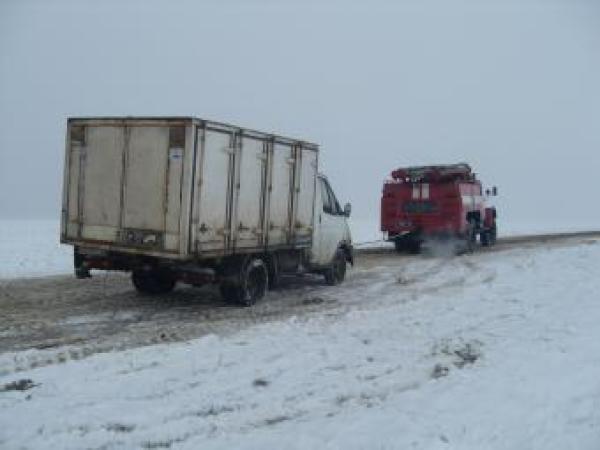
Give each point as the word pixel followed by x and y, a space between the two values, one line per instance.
pixel 274 272
pixel 471 237
pixel 493 235
pixel 337 272
pixel 399 245
pixel 414 247
pixel 247 282
pixel 411 245
pixel 152 282
pixel 488 237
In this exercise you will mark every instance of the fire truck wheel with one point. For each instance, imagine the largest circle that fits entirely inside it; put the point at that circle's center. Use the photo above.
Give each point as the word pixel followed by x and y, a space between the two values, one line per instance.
pixel 488 237
pixel 485 238
pixel 337 272
pixel 414 247
pixel 493 235
pixel 399 245
pixel 153 282
pixel 471 237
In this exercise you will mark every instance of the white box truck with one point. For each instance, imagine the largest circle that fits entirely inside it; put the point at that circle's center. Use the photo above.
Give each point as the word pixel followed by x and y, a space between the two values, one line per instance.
pixel 181 199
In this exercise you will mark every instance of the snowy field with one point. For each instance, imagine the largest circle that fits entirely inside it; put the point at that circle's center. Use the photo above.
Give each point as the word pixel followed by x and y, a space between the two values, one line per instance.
pixel 495 350
pixel 31 248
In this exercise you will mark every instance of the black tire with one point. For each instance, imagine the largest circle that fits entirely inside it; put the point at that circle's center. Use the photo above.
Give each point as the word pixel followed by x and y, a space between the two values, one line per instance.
pixel 246 283
pixel 410 245
pixel 399 245
pixel 337 272
pixel 485 238
pixel 493 235
pixel 153 282
pixel 274 272
pixel 414 247
pixel 488 237
pixel 471 237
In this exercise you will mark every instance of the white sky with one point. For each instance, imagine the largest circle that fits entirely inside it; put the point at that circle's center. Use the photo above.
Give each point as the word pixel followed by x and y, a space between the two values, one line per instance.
pixel 511 87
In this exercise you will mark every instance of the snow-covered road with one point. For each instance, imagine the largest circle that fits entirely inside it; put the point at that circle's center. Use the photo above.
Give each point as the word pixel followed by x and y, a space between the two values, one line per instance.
pixel 494 350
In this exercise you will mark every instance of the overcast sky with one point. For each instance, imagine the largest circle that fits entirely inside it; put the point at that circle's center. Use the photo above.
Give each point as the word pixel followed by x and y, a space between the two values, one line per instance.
pixel 511 87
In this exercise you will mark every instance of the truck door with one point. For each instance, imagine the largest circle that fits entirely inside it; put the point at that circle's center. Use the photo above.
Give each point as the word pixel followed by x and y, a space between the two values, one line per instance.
pixel 250 189
pixel 125 182
pixel 212 208
pixel 330 224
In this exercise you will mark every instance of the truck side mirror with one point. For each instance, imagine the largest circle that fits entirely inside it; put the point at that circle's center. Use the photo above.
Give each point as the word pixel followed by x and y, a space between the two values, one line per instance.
pixel 347 209
pixel 494 191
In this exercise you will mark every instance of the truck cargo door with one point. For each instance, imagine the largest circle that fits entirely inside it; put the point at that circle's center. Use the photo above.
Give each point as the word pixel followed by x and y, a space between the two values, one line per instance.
pixel 125 185
pixel 280 194
pixel 214 199
pixel 96 170
pixel 152 183
pixel 250 190
pixel 305 179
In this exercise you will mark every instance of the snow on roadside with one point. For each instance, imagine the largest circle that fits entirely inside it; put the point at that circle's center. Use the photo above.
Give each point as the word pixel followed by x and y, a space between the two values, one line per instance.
pixel 366 233
pixel 31 248
pixel 493 350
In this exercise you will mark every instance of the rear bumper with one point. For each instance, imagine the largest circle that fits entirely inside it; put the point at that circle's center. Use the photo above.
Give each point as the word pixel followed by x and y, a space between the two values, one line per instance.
pixel 86 259
pixel 421 234
pixel 97 247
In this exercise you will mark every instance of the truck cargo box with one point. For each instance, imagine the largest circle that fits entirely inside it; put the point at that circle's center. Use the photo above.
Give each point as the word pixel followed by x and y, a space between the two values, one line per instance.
pixel 185 188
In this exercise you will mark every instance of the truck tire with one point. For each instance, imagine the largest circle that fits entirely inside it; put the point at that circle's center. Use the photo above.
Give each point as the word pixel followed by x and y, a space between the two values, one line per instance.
pixel 337 272
pixel 471 237
pixel 274 272
pixel 411 245
pixel 398 245
pixel 153 282
pixel 485 238
pixel 248 285
pixel 488 237
pixel 414 247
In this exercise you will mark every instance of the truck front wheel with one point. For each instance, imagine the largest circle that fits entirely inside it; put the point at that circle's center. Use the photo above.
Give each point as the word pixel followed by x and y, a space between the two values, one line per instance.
pixel 246 283
pixel 152 282
pixel 337 272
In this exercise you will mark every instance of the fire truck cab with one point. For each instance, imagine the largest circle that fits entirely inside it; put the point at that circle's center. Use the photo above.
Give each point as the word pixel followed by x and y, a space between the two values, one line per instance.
pixel 436 203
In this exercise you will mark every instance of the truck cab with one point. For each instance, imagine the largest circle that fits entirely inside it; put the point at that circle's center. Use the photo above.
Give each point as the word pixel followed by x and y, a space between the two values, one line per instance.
pixel 332 239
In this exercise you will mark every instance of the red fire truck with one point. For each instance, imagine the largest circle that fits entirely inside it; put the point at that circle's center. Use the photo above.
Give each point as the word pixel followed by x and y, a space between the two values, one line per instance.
pixel 428 203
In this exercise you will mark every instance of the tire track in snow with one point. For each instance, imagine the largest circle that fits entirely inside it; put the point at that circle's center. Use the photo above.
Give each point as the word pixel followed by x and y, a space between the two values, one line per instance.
pixel 56 319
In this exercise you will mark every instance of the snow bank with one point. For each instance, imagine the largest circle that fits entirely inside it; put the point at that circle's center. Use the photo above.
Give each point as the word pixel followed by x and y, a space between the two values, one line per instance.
pixel 494 350
pixel 31 248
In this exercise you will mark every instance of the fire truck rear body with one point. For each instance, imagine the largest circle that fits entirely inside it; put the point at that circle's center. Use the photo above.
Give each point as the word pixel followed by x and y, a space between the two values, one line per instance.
pixel 419 203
